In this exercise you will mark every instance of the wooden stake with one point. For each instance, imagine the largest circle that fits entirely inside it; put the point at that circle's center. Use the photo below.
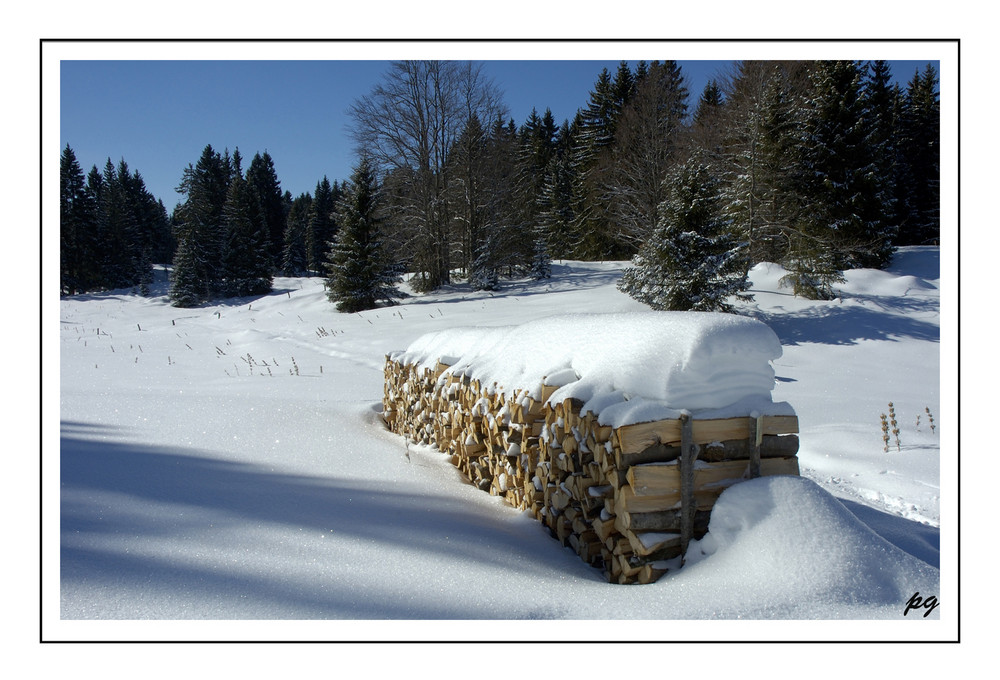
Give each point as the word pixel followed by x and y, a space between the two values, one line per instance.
pixel 756 437
pixel 689 452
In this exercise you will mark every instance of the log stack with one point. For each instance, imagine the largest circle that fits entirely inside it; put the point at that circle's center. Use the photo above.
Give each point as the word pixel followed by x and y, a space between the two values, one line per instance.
pixel 626 499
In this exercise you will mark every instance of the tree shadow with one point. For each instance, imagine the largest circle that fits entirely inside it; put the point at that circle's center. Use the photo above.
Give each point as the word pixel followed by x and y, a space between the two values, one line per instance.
pixel 851 324
pixel 565 276
pixel 924 262
pixel 185 491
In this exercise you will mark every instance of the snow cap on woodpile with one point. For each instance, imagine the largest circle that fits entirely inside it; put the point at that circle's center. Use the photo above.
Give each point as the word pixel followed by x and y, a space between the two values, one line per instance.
pixel 626 367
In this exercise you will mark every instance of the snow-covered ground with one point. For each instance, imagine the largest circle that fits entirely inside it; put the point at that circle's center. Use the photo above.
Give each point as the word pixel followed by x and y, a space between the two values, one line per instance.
pixel 228 462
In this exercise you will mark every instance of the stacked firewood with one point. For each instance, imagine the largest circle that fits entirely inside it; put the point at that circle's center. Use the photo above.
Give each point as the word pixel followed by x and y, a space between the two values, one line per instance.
pixel 616 496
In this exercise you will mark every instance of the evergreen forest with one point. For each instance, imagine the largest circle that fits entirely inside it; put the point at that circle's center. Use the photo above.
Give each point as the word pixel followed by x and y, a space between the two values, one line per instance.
pixel 819 166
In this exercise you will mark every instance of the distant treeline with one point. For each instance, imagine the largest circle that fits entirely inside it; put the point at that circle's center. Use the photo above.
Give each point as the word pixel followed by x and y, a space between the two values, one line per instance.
pixel 819 166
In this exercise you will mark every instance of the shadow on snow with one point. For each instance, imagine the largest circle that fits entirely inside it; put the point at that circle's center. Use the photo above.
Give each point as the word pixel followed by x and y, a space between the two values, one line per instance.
pixel 851 324
pixel 565 277
pixel 190 492
pixel 919 540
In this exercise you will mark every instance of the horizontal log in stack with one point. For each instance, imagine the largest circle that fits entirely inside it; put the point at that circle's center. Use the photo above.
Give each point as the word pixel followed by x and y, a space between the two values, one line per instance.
pixel 626 500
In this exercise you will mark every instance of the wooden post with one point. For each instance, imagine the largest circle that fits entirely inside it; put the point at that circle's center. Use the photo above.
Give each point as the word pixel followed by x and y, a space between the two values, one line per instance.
pixel 756 437
pixel 689 452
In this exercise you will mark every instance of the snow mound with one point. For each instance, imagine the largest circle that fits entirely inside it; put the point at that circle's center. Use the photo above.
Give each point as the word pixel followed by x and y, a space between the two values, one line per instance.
pixel 767 276
pixel 876 282
pixel 626 367
pixel 786 541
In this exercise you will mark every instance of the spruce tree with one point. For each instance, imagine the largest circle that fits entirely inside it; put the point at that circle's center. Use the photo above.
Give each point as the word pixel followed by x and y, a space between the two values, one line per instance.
pixel 359 273
pixel 591 161
pixel 163 243
pixel 246 262
pixel 145 226
pixel 878 113
pixel 468 169
pixel 555 209
pixel 111 225
pixel 187 287
pixel 95 266
pixel 537 146
pixel 263 181
pixel 838 176
pixel 199 230
pixel 540 266
pixel 118 228
pixel 708 104
pixel 294 260
pixel 78 244
pixel 692 261
pixel 760 159
pixel 322 227
pixel 505 251
pixel 649 133
pixel 623 89
pixel 921 157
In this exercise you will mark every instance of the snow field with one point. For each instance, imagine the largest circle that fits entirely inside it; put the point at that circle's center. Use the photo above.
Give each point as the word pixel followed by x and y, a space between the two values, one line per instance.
pixel 197 484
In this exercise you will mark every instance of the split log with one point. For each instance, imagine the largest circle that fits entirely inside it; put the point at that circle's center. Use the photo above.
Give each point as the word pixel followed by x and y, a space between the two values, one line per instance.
pixel 639 437
pixel 654 479
pixel 662 520
pixel 772 446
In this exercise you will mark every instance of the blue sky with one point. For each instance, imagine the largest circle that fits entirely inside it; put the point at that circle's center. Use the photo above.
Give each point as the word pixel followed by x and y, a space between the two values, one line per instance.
pixel 159 114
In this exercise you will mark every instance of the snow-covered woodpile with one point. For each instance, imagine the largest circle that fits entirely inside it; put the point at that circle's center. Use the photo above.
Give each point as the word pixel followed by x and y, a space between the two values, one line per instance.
pixel 620 475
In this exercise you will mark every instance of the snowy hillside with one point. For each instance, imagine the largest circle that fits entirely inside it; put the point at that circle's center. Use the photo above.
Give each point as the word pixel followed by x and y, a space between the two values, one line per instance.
pixel 229 462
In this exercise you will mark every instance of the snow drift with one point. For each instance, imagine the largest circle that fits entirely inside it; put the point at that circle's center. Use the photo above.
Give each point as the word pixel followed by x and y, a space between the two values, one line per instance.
pixel 787 542
pixel 625 367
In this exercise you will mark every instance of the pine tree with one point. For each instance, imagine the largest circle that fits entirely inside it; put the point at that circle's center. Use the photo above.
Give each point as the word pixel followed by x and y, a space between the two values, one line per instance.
pixel 246 262
pixel 235 165
pixel 599 116
pixel 360 276
pixel 95 266
pixel 118 228
pixel 294 260
pixel 322 223
pixel 708 104
pixel 556 201
pixel 199 230
pixel 590 162
pixel 760 159
pixel 147 223
pixel 77 227
pixel 649 132
pixel 507 218
pixel 878 112
pixel 163 244
pixel 839 172
pixel 540 266
pixel 263 181
pixel 187 287
pixel 126 218
pixel 468 168
pixel 486 197
pixel 623 89
pixel 920 156
pixel 537 146
pixel 691 262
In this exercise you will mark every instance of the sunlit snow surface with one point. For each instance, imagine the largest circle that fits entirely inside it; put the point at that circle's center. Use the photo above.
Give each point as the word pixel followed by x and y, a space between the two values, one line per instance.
pixel 228 462
pixel 657 363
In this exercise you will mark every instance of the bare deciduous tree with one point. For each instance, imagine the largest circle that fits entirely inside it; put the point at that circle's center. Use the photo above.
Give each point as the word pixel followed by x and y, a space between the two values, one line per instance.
pixel 408 125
